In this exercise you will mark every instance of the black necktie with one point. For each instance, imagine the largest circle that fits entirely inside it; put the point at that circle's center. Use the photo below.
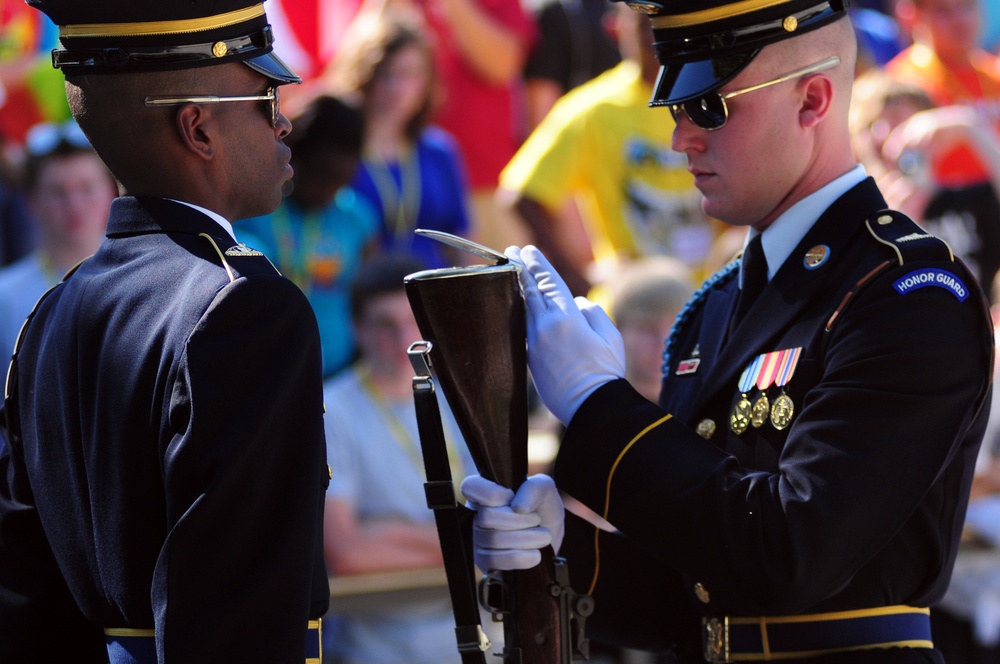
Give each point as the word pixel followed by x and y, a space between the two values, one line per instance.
pixel 754 269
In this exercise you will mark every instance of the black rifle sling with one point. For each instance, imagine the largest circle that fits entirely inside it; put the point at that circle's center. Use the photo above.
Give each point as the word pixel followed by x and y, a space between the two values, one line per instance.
pixel 454 524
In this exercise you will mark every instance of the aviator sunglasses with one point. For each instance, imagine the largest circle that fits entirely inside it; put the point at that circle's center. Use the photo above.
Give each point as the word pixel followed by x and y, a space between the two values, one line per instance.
pixel 710 110
pixel 271 110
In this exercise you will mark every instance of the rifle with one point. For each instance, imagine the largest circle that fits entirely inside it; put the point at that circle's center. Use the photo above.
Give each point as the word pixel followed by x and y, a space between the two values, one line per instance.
pixel 474 320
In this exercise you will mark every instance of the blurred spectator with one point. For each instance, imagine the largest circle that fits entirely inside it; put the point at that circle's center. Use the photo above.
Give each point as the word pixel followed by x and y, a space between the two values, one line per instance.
pixel 18 236
pixel 574 45
pixel 376 514
pixel 604 147
pixel 480 48
pixel 645 299
pixel 323 229
pixel 410 171
pixel 966 625
pixel 946 61
pixel 879 37
pixel 69 193
pixel 897 133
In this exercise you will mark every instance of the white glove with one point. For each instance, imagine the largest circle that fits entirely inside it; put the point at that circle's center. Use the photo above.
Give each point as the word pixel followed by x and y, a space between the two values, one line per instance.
pixel 510 528
pixel 573 347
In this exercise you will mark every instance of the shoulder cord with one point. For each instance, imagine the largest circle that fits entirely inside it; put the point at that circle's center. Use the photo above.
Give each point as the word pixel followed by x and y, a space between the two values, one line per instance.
pixel 692 307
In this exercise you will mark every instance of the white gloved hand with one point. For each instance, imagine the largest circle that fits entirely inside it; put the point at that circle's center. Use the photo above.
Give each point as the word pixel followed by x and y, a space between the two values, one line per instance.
pixel 510 528
pixel 573 347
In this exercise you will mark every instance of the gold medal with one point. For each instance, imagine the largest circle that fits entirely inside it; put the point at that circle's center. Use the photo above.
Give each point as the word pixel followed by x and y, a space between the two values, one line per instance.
pixel 761 409
pixel 740 418
pixel 782 411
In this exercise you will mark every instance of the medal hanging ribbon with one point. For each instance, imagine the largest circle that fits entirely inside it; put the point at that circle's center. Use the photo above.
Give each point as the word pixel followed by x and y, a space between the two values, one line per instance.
pixel 783 408
pixel 769 363
pixel 743 410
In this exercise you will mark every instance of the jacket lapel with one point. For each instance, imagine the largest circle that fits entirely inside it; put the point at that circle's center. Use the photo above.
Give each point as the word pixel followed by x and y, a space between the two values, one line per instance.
pixel 782 301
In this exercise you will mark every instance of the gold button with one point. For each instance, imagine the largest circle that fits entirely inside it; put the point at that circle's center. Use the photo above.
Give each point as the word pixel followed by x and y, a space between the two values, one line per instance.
pixel 885 219
pixel 219 49
pixel 329 471
pixel 790 23
pixel 706 428
pixel 701 593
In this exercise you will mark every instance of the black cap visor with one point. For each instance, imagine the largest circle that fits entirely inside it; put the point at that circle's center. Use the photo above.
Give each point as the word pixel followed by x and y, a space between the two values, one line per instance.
pixel 271 66
pixel 678 83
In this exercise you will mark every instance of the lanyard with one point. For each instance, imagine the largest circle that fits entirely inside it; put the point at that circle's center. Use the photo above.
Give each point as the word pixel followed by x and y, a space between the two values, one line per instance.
pixel 400 433
pixel 400 200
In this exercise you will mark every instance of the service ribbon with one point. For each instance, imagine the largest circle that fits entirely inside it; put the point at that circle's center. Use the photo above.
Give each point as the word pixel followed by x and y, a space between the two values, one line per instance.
pixel 749 376
pixel 787 367
pixel 769 369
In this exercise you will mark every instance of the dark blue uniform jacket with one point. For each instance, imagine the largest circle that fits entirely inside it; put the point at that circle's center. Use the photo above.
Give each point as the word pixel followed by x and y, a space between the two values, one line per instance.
pixel 171 465
pixel 857 503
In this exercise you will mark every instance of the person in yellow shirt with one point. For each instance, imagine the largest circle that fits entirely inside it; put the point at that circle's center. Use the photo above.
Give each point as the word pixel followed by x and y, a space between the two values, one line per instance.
pixel 599 147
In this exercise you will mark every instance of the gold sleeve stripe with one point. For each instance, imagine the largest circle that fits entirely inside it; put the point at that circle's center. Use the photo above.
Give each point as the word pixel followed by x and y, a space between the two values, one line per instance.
pixel 144 28
pixel 707 15
pixel 607 496
pixel 621 455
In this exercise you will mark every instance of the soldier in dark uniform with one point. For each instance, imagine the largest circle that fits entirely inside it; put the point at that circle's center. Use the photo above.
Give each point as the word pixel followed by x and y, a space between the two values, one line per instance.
pixel 161 494
pixel 799 491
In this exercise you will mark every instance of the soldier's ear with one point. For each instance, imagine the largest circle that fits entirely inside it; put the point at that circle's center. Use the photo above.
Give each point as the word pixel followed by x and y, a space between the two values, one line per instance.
pixel 817 100
pixel 196 129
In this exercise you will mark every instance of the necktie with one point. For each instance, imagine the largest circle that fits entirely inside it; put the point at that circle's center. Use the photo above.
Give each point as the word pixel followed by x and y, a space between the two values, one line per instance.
pixel 754 270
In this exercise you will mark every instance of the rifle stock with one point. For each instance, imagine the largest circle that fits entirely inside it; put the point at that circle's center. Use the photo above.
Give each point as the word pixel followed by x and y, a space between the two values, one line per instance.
pixel 475 319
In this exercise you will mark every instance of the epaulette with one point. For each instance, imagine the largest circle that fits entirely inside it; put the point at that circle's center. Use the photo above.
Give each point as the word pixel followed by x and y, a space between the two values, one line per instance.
pixel 908 241
pixel 238 250
pixel 692 307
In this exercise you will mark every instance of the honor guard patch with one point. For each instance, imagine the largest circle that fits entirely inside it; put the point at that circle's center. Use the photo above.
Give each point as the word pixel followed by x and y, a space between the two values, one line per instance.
pixel 931 277
pixel 242 250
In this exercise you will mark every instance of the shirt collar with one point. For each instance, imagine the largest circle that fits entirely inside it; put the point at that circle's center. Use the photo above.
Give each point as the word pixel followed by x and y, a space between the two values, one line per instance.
pixel 218 218
pixel 784 234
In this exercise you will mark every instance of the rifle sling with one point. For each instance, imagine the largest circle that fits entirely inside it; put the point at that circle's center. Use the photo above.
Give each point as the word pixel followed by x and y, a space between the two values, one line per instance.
pixel 454 525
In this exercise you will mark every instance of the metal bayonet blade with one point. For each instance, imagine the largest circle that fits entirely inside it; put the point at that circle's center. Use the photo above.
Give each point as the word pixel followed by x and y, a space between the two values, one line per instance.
pixel 464 245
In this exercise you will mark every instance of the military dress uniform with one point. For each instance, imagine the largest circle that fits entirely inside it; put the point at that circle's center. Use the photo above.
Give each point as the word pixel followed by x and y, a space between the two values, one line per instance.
pixel 162 489
pixel 826 524
pixel 130 490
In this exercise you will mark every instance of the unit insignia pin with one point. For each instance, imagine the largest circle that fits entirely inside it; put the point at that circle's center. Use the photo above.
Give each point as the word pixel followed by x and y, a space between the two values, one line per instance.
pixel 816 256
pixel 242 250
pixel 690 365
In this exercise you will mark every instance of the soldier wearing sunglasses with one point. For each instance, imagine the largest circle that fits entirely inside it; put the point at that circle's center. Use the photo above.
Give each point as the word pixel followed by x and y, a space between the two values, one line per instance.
pixel 161 490
pixel 799 490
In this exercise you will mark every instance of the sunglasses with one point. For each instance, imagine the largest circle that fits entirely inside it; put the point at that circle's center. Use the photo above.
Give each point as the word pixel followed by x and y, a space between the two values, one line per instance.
pixel 271 110
pixel 710 110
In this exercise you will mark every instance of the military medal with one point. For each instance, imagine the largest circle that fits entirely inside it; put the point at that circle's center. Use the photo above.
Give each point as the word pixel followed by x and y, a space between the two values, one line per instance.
pixel 767 370
pixel 743 410
pixel 783 408
pixel 761 409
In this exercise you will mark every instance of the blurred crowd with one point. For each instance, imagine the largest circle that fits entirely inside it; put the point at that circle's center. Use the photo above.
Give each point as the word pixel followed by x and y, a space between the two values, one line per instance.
pixel 508 123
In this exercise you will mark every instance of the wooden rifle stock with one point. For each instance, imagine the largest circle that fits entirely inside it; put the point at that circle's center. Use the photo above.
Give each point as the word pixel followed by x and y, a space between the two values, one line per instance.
pixel 475 319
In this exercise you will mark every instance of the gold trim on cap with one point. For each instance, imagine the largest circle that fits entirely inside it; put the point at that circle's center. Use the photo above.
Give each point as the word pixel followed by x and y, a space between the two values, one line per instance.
pixel 145 28
pixel 715 14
